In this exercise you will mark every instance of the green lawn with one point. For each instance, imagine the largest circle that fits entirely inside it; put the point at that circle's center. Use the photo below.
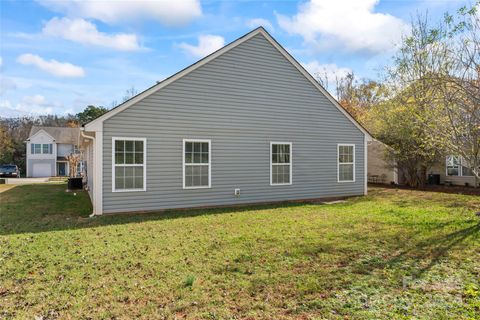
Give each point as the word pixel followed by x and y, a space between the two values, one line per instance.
pixel 393 254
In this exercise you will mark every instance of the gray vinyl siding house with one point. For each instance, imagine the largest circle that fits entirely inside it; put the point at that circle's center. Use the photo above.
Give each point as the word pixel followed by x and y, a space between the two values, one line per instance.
pixel 244 99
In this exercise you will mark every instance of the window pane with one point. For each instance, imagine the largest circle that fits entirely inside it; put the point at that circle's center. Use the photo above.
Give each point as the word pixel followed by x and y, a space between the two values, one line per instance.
pixel 345 172
pixel 286 174
pixel 138 158
pixel 119 177
pixel 196 157
pixel 467 172
pixel 188 147
pixel 119 158
pixel 452 171
pixel 196 170
pixel 188 157
pixel 138 183
pixel 205 147
pixel 204 181
pixel 204 157
pixel 129 171
pixel 128 182
pixel 138 146
pixel 129 157
pixel 38 148
pixel 188 170
pixel 196 147
pixel 119 145
pixel 129 146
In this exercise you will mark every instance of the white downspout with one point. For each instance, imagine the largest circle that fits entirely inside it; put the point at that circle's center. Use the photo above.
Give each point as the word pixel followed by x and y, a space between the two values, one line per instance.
pixel 91 175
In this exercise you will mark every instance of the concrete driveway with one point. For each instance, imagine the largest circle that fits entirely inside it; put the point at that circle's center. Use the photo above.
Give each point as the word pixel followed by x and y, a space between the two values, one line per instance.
pixel 25 180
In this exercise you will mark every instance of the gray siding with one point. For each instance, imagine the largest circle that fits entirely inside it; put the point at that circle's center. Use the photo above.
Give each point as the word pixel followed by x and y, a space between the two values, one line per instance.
pixel 242 100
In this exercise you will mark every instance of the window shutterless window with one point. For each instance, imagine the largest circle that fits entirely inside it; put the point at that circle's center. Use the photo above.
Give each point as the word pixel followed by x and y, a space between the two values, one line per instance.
pixel 47 148
pixel 457 166
pixel 129 164
pixel 196 163
pixel 280 163
pixel 38 148
pixel 346 163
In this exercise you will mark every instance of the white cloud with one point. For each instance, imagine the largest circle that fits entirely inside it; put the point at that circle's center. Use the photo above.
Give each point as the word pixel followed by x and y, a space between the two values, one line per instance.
pixel 85 32
pixel 173 12
pixel 29 106
pixel 329 70
pixel 260 22
pixel 206 45
pixel 351 24
pixel 54 67
pixel 6 84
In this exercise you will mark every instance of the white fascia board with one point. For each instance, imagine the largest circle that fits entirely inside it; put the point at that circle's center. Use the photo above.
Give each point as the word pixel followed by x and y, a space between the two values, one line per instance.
pixel 38 132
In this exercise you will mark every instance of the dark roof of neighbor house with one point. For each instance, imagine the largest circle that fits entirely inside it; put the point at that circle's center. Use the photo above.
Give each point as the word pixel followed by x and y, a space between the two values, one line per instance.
pixel 60 134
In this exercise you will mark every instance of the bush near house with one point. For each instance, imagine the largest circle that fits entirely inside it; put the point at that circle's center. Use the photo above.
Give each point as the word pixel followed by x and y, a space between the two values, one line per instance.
pixel 394 254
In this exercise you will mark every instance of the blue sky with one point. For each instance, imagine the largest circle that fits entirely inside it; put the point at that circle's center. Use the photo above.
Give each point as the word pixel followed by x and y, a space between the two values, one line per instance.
pixel 57 57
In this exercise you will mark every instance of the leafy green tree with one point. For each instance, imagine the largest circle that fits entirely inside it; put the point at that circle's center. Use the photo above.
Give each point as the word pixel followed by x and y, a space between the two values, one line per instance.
pixel 6 146
pixel 91 112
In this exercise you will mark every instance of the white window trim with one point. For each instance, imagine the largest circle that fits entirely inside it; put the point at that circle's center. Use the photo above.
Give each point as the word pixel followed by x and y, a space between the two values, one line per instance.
pixel 49 151
pixel 291 164
pixel 130 165
pixel 338 162
pixel 209 164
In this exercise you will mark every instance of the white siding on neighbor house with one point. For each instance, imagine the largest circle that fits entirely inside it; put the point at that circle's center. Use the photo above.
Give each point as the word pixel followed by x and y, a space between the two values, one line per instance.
pixel 64 149
pixel 37 164
pixel 241 101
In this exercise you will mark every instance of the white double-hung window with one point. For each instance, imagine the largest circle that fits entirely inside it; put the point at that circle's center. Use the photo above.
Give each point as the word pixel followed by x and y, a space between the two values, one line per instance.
pixel 37 148
pixel 346 163
pixel 196 163
pixel 129 164
pixel 280 163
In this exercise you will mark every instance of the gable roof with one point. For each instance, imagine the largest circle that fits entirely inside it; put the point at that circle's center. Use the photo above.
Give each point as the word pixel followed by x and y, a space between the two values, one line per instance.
pixel 95 125
pixel 59 134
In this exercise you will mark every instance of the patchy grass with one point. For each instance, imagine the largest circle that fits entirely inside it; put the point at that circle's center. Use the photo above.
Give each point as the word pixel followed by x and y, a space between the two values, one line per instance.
pixel 393 254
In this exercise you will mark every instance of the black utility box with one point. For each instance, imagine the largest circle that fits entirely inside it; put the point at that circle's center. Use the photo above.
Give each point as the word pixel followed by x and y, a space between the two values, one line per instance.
pixel 434 179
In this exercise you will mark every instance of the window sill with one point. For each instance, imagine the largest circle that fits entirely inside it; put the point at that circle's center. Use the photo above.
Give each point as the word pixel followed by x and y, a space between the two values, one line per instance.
pixel 190 188
pixel 129 190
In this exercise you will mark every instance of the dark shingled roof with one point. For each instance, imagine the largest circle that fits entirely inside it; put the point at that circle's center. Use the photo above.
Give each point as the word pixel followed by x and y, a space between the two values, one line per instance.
pixel 60 134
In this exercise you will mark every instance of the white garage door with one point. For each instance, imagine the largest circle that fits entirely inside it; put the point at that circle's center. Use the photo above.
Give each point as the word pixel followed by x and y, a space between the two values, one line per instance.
pixel 42 170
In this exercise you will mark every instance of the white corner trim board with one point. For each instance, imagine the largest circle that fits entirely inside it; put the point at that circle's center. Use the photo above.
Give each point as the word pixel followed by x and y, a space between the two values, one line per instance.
pixel 96 125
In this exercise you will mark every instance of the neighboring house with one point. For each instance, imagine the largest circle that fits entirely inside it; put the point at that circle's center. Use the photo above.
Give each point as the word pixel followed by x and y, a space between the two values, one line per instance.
pixel 379 169
pixel 453 171
pixel 47 148
pixel 246 124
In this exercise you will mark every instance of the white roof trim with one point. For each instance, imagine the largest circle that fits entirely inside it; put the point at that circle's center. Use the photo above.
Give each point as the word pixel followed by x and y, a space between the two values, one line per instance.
pixel 96 125
pixel 39 131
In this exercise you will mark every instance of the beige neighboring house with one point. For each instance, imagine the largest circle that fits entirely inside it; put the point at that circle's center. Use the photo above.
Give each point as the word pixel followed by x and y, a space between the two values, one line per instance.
pixel 47 149
pixel 379 170
pixel 452 170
